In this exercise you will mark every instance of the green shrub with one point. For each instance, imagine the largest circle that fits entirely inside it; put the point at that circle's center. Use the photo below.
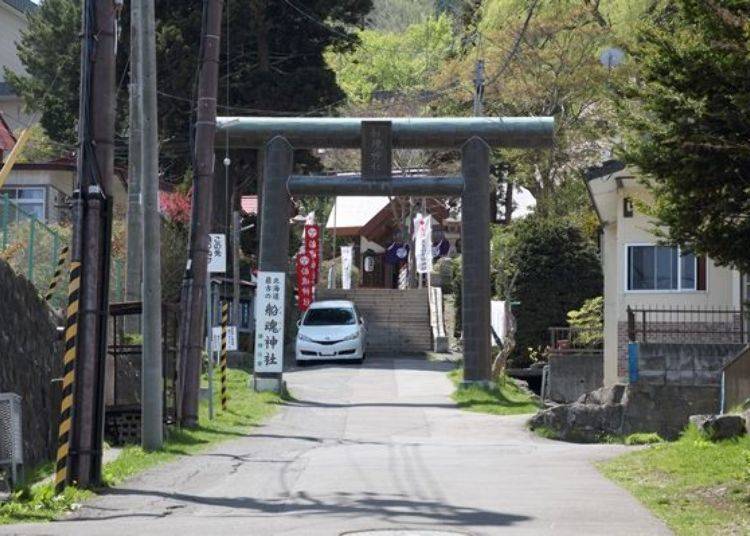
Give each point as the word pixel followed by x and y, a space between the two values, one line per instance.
pixel 558 270
pixel 643 439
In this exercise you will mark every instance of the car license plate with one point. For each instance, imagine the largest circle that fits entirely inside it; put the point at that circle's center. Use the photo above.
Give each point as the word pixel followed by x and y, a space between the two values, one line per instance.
pixel 327 354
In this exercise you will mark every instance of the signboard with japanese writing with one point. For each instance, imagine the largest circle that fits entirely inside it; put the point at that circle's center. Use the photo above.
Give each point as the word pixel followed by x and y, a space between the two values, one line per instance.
pixel 423 243
pixel 231 338
pixel 305 279
pixel 312 248
pixel 347 254
pixel 269 322
pixel 377 156
pixel 217 253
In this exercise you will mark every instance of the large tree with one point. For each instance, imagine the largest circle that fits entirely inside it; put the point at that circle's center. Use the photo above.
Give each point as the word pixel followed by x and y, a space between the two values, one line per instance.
pixel 273 64
pixel 687 124
pixel 543 58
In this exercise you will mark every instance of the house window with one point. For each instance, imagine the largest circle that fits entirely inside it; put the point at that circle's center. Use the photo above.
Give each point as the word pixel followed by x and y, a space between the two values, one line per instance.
pixel 29 200
pixel 664 268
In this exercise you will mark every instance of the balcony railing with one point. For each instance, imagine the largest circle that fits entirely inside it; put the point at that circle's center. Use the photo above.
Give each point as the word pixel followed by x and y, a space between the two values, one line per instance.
pixel 686 325
pixel 575 340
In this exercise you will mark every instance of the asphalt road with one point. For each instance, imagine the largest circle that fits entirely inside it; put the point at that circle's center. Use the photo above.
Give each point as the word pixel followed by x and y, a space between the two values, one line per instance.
pixel 379 446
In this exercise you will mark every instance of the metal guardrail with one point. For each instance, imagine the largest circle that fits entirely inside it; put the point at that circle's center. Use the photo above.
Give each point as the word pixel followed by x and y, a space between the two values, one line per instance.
pixel 32 248
pixel 575 340
pixel 686 325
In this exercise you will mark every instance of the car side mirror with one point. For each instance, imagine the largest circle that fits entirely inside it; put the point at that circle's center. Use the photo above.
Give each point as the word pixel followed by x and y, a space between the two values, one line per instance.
pixel 362 321
pixel 299 322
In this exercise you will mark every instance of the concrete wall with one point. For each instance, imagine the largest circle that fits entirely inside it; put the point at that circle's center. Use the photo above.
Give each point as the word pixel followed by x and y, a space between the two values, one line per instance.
pixel 684 364
pixel 30 357
pixel 737 380
pixel 571 376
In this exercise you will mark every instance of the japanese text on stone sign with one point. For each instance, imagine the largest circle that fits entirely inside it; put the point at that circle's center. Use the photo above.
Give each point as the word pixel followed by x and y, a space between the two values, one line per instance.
pixel 269 322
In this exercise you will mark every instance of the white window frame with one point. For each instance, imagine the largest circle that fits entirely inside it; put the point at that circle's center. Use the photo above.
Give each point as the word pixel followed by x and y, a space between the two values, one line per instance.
pixel 21 202
pixel 626 281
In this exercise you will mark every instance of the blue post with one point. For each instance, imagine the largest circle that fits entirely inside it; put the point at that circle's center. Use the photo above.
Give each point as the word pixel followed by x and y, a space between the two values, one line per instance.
pixel 633 361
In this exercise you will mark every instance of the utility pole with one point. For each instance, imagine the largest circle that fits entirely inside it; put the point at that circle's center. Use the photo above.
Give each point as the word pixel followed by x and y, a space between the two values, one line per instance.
pixel 92 235
pixel 135 169
pixel 479 88
pixel 193 288
pixel 152 411
pixel 236 225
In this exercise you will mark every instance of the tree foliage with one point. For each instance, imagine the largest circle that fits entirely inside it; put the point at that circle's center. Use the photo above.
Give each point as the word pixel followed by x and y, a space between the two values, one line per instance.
pixel 274 58
pixel 557 271
pixel 397 15
pixel 394 61
pixel 542 58
pixel 50 51
pixel 687 124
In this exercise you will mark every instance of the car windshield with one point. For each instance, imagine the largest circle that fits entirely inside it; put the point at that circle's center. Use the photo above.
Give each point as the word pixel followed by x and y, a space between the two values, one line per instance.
pixel 333 316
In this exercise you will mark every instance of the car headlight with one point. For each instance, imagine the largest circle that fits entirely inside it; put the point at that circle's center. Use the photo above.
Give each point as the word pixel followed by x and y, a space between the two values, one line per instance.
pixel 302 337
pixel 351 337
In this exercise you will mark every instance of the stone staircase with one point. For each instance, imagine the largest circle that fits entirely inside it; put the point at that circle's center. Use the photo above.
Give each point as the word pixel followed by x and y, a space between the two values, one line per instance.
pixel 398 321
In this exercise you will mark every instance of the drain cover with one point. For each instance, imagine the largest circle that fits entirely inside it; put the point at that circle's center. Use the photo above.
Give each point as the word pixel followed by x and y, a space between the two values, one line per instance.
pixel 404 532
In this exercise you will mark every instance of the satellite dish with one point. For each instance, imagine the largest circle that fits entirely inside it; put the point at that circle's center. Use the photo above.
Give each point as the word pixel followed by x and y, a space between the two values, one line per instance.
pixel 612 57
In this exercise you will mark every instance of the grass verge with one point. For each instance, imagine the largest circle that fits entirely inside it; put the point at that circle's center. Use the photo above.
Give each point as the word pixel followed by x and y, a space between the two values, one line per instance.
pixel 37 502
pixel 697 487
pixel 505 398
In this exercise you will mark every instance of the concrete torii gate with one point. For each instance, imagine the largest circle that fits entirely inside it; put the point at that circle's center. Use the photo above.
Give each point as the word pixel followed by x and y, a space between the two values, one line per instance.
pixel 376 137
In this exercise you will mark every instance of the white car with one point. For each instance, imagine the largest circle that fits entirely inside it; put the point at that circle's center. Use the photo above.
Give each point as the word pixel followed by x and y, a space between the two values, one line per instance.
pixel 331 329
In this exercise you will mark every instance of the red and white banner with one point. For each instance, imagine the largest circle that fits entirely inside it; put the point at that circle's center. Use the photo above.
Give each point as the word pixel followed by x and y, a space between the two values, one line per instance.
pixel 312 248
pixel 308 264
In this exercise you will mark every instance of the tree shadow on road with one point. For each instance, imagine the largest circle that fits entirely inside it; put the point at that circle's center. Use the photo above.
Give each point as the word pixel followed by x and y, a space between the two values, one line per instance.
pixel 395 508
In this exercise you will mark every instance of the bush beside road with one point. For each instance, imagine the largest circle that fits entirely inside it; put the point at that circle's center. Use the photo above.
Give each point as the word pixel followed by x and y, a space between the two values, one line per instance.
pixel 504 398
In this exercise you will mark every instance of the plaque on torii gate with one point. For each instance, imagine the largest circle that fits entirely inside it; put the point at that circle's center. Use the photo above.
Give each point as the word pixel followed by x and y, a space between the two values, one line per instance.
pixel 377 150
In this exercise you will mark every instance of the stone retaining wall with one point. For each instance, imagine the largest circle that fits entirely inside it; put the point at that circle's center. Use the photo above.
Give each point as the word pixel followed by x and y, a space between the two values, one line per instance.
pixel 30 357
pixel 688 333
pixel 684 364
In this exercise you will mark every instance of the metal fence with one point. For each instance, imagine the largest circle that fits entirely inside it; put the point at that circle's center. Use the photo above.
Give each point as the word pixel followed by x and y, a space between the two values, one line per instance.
pixel 686 325
pixel 575 340
pixel 32 248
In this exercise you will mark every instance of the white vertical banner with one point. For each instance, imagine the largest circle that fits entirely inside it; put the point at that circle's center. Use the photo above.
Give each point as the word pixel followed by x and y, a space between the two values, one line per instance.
pixel 231 339
pixel 269 322
pixel 347 256
pixel 423 243
pixel 217 253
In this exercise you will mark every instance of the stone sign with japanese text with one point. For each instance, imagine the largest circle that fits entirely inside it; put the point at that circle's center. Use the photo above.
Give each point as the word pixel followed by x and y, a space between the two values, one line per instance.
pixel 269 322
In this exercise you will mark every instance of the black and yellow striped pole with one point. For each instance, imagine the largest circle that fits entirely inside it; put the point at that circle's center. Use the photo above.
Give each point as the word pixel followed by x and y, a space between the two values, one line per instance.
pixel 223 359
pixel 64 431
pixel 57 275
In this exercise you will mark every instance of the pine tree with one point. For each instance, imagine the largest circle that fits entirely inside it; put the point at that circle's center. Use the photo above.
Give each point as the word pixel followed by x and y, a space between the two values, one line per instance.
pixel 686 119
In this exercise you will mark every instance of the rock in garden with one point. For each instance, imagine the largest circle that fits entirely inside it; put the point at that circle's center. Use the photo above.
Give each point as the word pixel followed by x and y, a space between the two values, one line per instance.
pixel 716 427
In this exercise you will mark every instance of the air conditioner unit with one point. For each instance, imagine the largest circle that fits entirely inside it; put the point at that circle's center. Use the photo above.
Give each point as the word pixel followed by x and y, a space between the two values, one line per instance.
pixel 11 435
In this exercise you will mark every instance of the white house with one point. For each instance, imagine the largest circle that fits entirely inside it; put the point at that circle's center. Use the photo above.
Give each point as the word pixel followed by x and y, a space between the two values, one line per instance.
pixel 12 22
pixel 659 282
